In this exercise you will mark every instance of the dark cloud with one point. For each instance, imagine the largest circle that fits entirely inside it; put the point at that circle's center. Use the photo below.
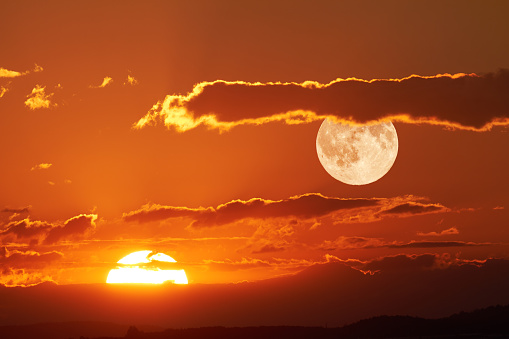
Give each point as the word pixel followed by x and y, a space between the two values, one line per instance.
pixel 431 244
pixel 461 101
pixel 27 259
pixel 343 243
pixel 402 262
pixel 16 210
pixel 306 206
pixel 36 231
pixel 414 208
pixel 303 206
pixel 25 229
pixel 76 226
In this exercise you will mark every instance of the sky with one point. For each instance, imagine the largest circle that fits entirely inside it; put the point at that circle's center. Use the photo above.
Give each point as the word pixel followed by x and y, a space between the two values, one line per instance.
pixel 189 128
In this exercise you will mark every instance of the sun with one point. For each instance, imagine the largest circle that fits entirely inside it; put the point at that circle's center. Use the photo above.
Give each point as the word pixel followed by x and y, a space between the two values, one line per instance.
pixel 143 267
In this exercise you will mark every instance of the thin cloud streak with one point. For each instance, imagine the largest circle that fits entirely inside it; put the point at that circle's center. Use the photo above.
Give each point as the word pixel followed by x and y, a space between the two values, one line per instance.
pixel 306 206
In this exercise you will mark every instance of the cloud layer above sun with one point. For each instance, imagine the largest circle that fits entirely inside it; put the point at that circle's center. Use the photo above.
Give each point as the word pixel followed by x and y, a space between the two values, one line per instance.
pixel 463 101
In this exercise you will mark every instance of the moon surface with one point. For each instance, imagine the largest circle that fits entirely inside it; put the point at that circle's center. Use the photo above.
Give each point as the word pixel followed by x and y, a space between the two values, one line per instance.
pixel 357 155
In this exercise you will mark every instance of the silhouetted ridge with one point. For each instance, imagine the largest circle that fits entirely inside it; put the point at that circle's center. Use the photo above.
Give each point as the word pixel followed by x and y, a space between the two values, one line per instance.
pixel 491 322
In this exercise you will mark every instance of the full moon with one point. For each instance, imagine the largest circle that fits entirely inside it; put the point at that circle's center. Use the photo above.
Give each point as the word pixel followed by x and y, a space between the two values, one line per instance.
pixel 357 155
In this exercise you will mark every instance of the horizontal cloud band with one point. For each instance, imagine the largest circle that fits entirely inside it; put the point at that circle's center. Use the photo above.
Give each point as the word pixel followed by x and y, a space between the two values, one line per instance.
pixel 306 206
pixel 463 101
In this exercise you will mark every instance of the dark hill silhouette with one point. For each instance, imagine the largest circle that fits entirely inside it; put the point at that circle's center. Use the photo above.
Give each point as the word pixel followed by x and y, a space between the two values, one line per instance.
pixel 74 329
pixel 491 322
pixel 332 294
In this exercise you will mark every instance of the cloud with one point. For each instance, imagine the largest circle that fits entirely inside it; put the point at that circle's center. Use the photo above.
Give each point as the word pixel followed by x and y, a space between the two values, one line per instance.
pixel 41 166
pixel 131 81
pixel 38 98
pixel 16 210
pixel 23 268
pixel 450 231
pixel 346 243
pixel 75 227
pixel 412 208
pixel 106 82
pixel 431 244
pixel 304 207
pixel 462 101
pixel 402 262
pixel 5 73
pixel 27 259
pixel 232 265
pixel 3 90
pixel 34 232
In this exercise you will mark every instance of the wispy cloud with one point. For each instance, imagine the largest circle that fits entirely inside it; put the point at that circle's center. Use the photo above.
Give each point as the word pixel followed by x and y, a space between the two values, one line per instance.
pixel 348 243
pixel 41 166
pixel 304 207
pixel 462 101
pixel 106 82
pixel 131 81
pixel 449 231
pixel 3 90
pixel 38 98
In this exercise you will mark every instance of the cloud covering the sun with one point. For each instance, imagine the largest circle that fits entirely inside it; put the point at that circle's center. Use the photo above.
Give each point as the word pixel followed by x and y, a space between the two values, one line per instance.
pixel 462 101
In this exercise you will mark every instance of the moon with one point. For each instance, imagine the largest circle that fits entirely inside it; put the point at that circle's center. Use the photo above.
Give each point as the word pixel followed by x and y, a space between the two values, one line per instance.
pixel 357 155
pixel 142 267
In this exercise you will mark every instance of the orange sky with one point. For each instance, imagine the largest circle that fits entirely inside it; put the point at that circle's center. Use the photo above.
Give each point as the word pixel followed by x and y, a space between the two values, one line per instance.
pixel 241 195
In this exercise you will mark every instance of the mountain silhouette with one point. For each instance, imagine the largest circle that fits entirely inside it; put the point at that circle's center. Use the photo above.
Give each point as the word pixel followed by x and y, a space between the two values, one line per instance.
pixel 491 322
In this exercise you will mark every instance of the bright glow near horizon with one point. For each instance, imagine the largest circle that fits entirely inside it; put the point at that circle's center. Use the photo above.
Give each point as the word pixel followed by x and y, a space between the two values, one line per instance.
pixel 134 274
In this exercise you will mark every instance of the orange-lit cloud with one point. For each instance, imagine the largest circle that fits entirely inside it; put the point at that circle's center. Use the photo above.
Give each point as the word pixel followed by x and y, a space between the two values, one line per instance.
pixel 23 268
pixel 131 81
pixel 41 166
pixel 106 82
pixel 346 243
pixel 3 90
pixel 306 206
pixel 27 259
pixel 34 232
pixel 432 244
pixel 38 98
pixel 463 101
pixel 449 231
pixel 5 73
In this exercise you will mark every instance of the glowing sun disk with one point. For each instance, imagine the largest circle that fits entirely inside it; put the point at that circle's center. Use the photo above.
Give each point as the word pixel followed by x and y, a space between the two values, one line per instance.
pixel 134 274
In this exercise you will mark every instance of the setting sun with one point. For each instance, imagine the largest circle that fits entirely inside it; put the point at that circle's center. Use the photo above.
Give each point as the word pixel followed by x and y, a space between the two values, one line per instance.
pixel 142 267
